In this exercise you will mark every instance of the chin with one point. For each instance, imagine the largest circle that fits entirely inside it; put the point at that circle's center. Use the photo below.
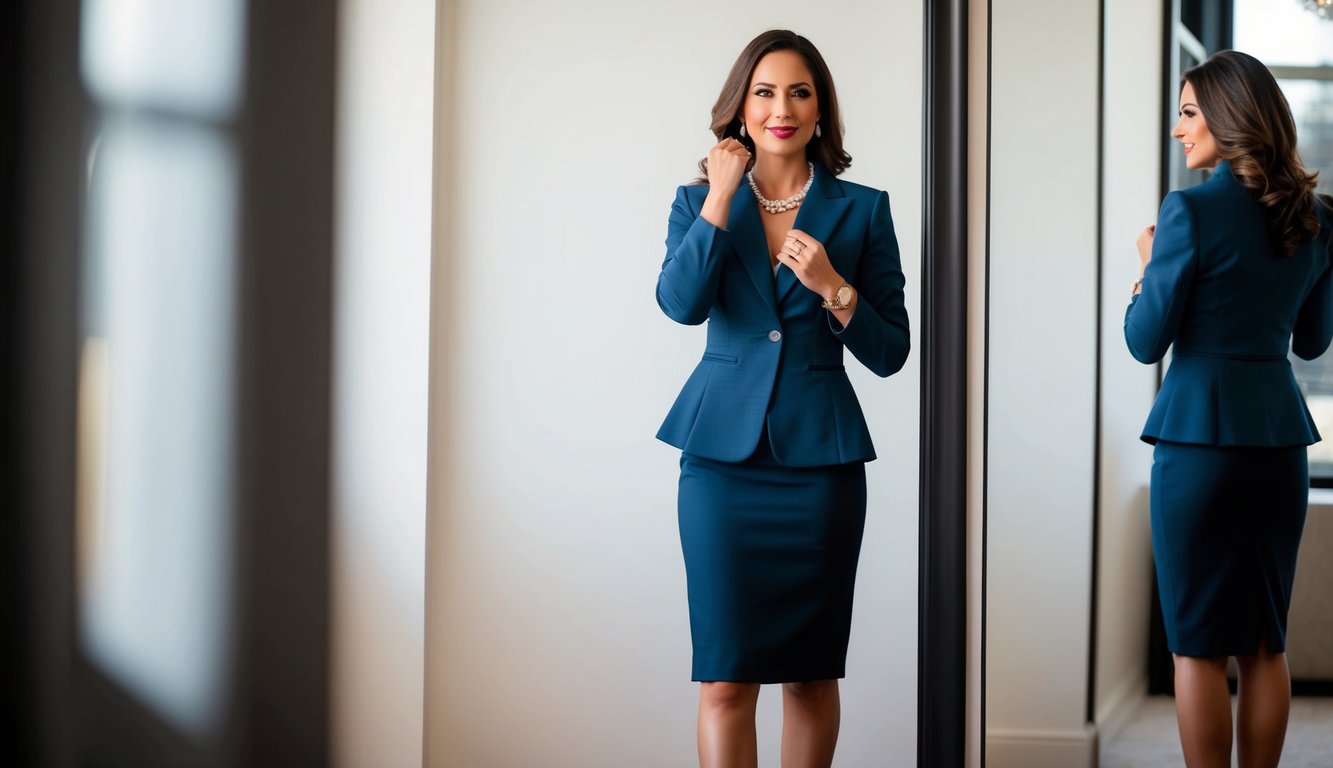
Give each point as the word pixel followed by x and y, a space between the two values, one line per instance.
pixel 787 149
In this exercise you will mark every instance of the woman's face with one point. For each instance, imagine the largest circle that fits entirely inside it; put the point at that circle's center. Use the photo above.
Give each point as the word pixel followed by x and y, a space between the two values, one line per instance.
pixel 781 107
pixel 1192 131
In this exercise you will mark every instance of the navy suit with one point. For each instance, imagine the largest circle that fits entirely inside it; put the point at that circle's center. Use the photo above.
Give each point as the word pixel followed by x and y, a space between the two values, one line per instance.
pixel 774 355
pixel 772 475
pixel 1233 308
pixel 1230 426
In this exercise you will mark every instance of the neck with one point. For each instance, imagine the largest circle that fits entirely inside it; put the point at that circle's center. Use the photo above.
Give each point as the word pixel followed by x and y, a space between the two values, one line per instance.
pixel 780 177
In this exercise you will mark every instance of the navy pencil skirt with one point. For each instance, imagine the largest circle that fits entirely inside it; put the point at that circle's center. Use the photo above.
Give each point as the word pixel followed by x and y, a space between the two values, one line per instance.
pixel 770 566
pixel 1226 524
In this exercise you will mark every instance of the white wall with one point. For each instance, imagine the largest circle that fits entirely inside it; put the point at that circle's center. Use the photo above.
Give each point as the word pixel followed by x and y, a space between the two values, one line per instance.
pixel 1043 376
pixel 1040 411
pixel 1135 128
pixel 557 621
pixel 385 103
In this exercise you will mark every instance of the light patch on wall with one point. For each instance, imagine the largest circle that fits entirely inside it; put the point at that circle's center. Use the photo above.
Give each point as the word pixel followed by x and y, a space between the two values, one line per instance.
pixel 156 473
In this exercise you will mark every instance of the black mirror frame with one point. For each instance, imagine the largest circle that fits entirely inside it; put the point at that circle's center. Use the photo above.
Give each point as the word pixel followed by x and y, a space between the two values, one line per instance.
pixel 942 620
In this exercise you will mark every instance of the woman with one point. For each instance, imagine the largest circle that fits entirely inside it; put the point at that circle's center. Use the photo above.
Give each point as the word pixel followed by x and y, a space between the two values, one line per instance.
pixel 1235 272
pixel 788 265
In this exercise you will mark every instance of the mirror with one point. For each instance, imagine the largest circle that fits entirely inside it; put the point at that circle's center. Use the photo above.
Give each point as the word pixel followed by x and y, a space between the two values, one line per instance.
pixel 1080 159
pixel 557 620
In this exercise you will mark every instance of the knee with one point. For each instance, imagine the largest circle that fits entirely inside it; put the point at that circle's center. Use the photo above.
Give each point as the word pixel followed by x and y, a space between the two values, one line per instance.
pixel 729 696
pixel 1263 661
pixel 1200 664
pixel 813 691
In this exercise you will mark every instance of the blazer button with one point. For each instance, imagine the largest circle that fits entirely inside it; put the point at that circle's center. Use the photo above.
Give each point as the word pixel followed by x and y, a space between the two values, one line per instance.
pixel 775 335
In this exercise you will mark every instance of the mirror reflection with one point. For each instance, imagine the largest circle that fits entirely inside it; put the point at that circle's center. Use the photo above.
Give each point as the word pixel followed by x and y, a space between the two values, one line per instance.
pixel 1079 668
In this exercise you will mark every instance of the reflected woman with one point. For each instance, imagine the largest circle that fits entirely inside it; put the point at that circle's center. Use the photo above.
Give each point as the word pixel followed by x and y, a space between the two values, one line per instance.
pixel 1235 273
pixel 788 265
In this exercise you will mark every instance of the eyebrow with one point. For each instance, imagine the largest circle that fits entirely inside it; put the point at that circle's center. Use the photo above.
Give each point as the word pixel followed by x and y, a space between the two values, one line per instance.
pixel 770 85
pixel 1189 104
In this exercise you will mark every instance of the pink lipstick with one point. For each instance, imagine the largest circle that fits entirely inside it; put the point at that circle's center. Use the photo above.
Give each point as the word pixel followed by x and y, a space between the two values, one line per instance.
pixel 782 131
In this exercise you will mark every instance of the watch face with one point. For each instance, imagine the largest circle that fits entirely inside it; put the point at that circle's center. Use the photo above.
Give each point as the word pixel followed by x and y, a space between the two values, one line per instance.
pixel 844 295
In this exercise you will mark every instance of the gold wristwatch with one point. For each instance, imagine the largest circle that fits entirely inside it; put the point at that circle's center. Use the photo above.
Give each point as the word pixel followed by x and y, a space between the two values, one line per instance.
pixel 842 298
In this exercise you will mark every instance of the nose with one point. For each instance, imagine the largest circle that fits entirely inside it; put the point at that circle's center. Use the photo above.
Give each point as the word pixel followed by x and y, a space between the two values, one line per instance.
pixel 782 106
pixel 1178 132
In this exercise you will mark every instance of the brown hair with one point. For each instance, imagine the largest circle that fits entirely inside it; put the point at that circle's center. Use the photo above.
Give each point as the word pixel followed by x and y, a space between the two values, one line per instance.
pixel 1251 122
pixel 1327 202
pixel 827 150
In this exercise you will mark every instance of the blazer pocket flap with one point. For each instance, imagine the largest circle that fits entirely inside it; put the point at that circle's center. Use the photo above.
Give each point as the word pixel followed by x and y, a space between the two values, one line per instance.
pixel 717 358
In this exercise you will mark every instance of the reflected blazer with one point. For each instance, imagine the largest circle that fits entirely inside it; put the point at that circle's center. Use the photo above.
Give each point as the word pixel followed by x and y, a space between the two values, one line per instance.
pixel 774 355
pixel 1233 306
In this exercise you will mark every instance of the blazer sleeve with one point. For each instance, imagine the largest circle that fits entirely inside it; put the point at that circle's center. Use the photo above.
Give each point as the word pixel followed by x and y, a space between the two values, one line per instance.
pixel 1153 316
pixel 1314 322
pixel 877 333
pixel 695 253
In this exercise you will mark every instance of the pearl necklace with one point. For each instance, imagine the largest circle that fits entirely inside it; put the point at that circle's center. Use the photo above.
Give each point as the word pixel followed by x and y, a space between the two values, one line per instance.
pixel 782 206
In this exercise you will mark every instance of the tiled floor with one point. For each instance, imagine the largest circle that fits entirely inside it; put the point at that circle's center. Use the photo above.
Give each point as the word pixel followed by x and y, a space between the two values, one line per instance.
pixel 1149 738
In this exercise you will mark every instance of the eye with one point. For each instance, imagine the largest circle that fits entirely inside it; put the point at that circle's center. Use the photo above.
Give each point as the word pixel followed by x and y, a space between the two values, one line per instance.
pixel 801 93
pixel 762 92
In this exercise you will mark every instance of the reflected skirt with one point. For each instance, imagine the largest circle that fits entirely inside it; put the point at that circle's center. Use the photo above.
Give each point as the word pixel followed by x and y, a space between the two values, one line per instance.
pixel 1226 524
pixel 770 565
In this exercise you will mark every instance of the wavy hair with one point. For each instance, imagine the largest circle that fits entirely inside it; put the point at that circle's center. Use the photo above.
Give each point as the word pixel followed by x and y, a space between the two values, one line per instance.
pixel 1251 122
pixel 827 150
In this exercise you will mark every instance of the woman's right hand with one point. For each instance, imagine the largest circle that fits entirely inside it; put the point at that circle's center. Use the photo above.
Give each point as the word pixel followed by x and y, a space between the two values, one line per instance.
pixel 727 161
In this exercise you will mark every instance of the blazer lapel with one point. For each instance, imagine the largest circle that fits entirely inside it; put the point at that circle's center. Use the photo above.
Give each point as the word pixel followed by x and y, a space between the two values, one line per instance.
pixel 747 233
pixel 821 210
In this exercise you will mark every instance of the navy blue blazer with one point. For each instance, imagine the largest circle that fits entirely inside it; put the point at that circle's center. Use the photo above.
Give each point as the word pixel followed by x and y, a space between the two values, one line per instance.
pixel 1233 306
pixel 774 355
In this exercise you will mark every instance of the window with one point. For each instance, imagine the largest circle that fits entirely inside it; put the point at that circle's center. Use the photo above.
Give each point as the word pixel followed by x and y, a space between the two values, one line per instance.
pixel 156 394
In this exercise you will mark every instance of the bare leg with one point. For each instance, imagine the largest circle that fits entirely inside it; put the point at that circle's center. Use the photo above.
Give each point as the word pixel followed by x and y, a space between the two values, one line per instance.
pixel 1203 711
pixel 1265 703
pixel 810 715
pixel 726 725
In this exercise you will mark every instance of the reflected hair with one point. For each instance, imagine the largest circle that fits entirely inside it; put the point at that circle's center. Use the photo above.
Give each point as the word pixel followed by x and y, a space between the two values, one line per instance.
pixel 826 150
pixel 1251 121
pixel 1327 202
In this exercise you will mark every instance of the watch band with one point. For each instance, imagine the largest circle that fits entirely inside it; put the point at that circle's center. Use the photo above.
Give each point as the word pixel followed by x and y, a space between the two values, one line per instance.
pixel 836 304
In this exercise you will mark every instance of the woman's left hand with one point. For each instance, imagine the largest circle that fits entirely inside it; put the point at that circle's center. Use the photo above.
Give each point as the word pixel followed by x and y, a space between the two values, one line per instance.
pixel 806 258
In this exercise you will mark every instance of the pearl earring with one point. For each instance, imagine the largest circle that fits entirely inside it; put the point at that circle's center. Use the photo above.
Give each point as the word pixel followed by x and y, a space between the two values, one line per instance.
pixel 742 130
pixel 819 133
